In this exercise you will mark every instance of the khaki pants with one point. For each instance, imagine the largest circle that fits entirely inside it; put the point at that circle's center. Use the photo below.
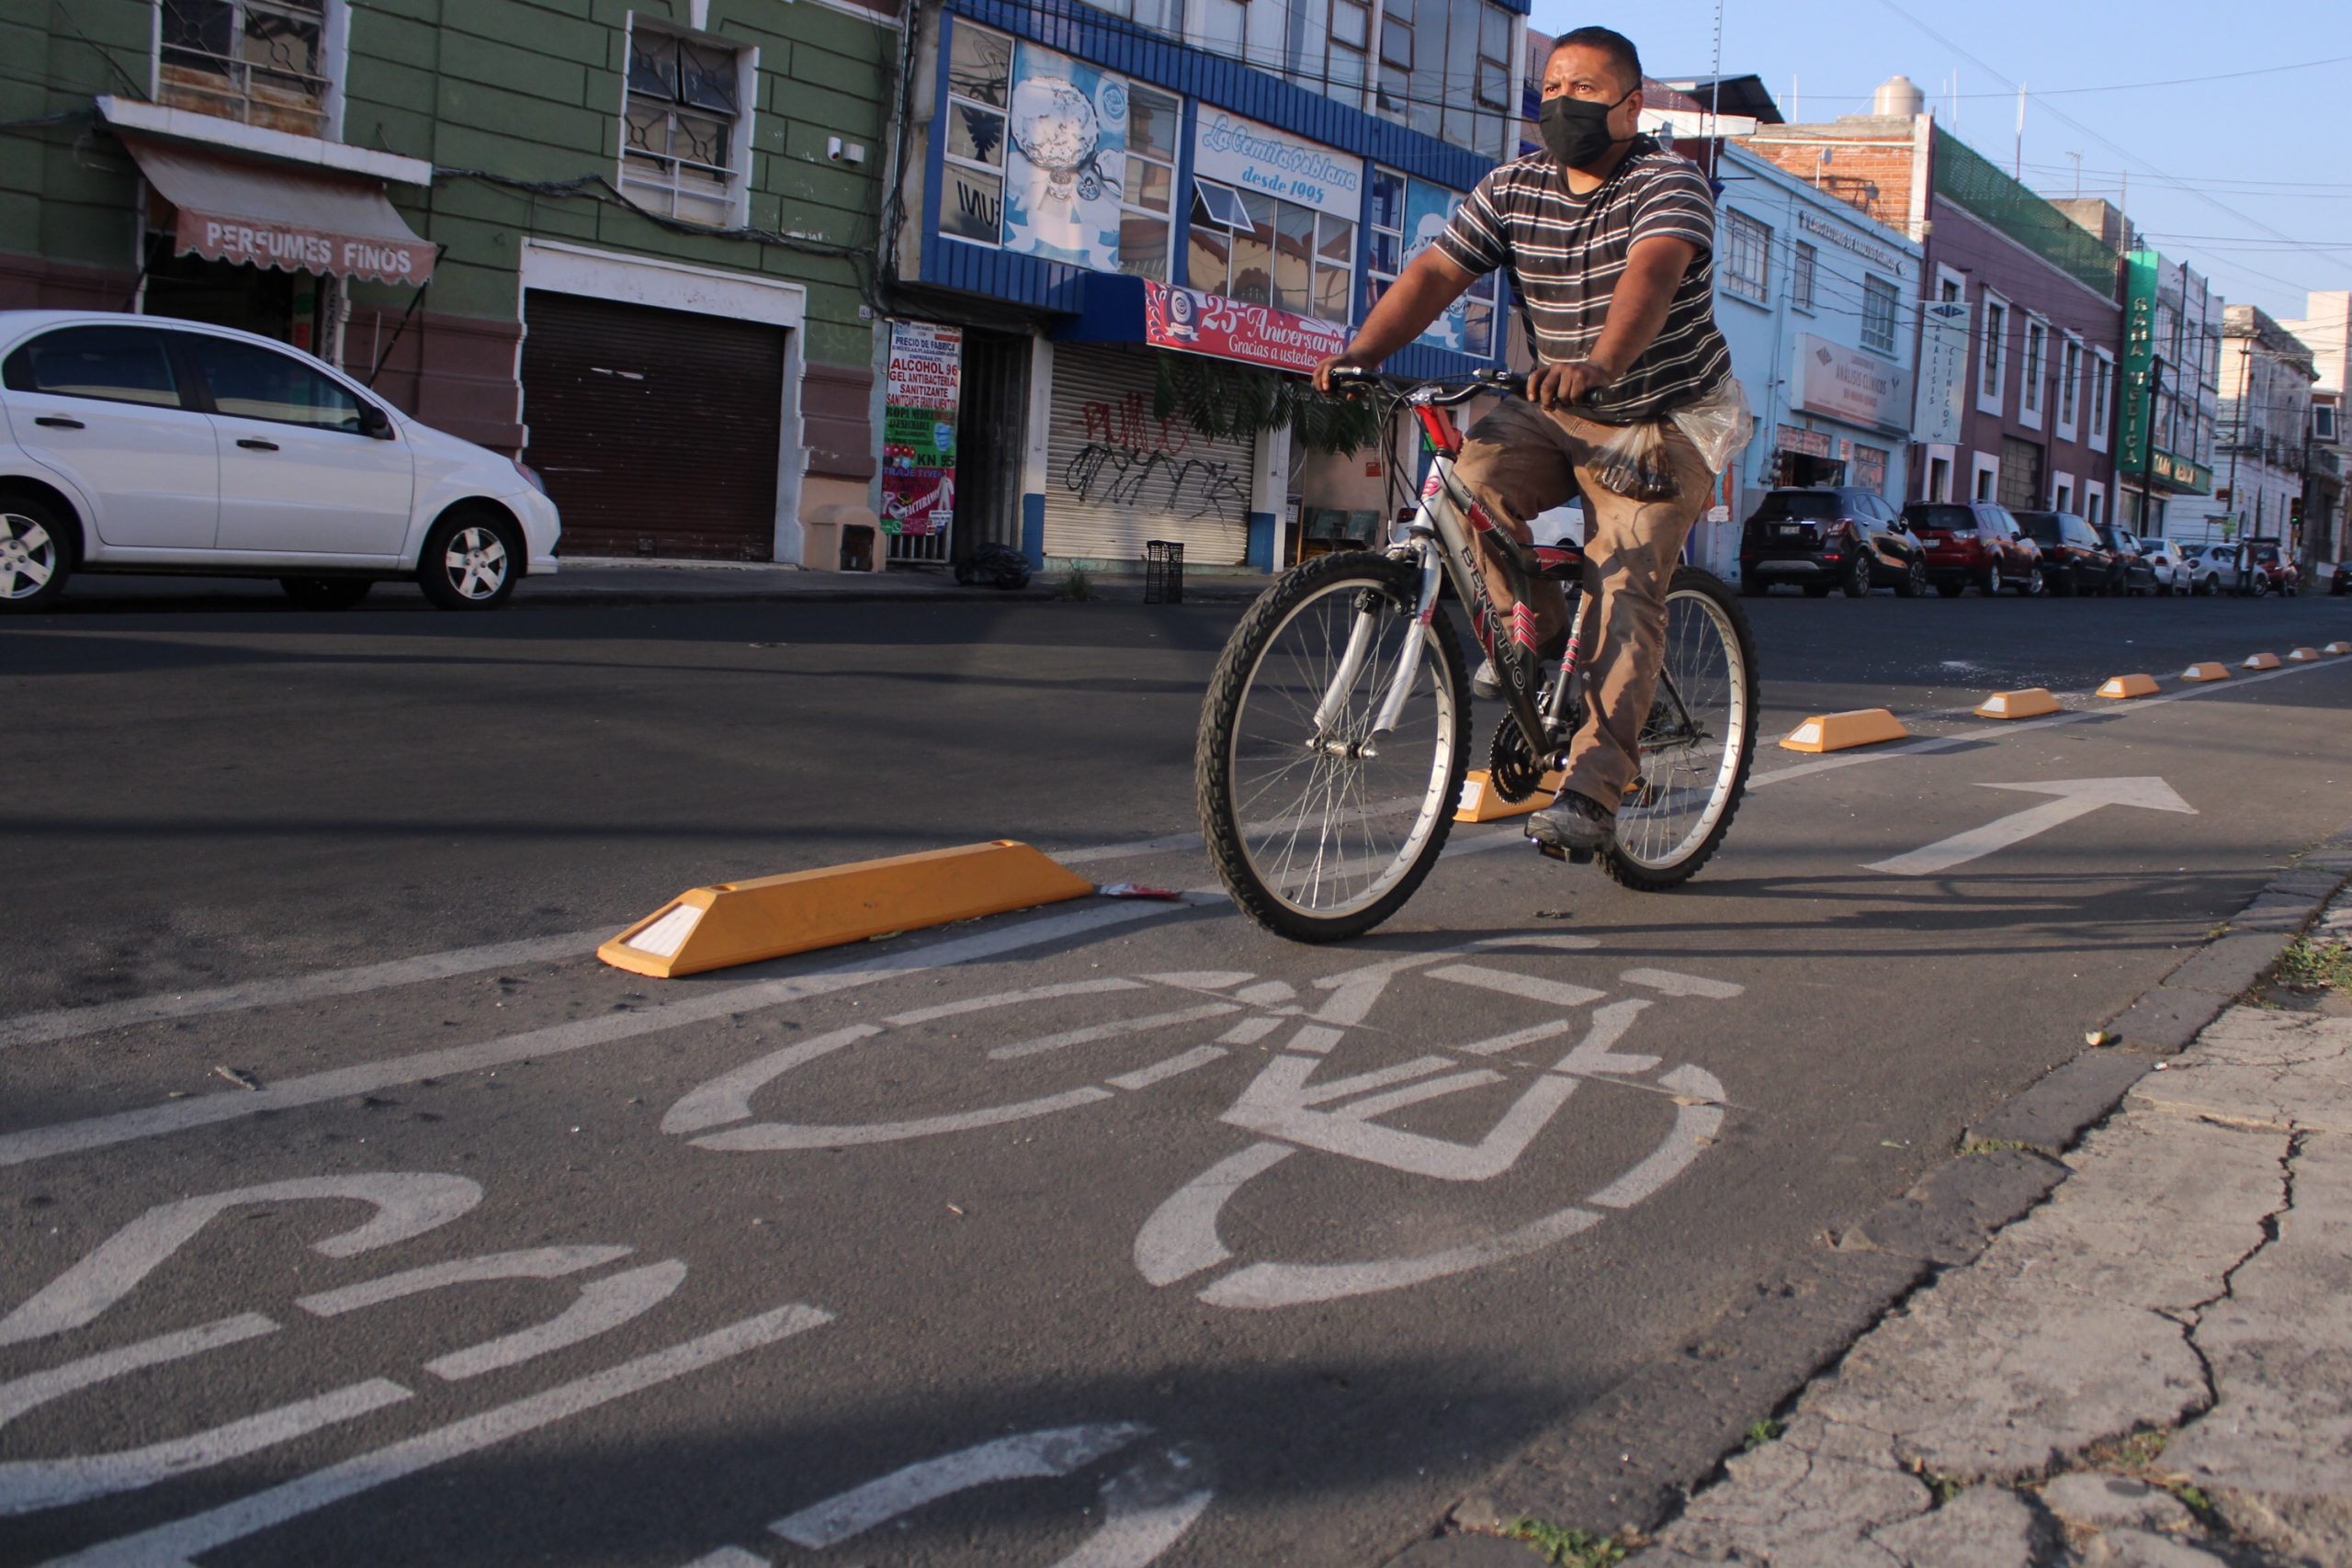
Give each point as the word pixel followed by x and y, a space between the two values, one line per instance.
pixel 1520 460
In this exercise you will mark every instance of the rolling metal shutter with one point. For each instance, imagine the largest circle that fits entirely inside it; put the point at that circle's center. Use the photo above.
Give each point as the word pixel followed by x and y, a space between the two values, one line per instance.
pixel 1117 476
pixel 656 431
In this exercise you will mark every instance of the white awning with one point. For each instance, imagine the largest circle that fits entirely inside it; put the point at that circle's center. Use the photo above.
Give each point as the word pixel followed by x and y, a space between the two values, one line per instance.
pixel 295 219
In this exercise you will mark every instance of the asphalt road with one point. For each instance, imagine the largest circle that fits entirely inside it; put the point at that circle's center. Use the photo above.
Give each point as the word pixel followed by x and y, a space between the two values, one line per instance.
pixel 353 1213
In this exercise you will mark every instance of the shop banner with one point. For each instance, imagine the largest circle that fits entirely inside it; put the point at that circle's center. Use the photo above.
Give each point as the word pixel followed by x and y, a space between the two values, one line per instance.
pixel 1257 157
pixel 1195 323
pixel 919 428
pixel 1943 373
pixel 1845 383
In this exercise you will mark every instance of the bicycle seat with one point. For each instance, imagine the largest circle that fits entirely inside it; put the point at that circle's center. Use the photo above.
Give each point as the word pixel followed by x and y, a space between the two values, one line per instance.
pixel 1565 562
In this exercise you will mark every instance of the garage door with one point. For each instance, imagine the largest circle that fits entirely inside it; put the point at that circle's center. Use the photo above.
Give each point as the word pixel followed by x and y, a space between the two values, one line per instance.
pixel 656 431
pixel 1120 475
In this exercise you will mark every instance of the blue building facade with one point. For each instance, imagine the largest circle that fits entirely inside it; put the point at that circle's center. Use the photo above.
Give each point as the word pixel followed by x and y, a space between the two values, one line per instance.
pixel 1087 189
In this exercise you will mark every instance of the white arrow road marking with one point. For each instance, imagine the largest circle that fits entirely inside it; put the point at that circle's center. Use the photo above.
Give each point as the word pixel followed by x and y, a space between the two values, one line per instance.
pixel 2076 797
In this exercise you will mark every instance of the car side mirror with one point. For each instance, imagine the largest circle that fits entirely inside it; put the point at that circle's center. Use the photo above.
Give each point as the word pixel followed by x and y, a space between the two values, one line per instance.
pixel 374 423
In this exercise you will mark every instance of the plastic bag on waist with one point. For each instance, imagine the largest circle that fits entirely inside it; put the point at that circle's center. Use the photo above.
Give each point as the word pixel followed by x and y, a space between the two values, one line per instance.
pixel 1718 424
pixel 1631 462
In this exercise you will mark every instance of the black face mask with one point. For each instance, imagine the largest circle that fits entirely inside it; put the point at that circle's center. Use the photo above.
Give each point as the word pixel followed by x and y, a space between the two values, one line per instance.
pixel 1576 130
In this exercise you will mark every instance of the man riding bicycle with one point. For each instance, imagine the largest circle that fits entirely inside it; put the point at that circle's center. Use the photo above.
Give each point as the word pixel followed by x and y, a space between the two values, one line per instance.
pixel 1608 239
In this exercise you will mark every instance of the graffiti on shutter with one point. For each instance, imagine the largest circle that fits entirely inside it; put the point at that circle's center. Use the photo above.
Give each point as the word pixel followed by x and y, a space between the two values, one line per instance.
pixel 1118 475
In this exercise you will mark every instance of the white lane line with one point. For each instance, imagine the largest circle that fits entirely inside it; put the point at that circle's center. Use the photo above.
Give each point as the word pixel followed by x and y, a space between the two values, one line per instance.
pixel 175 1116
pixel 36 1389
pixel 1031 1456
pixel 1182 1062
pixel 175 1545
pixel 63 1024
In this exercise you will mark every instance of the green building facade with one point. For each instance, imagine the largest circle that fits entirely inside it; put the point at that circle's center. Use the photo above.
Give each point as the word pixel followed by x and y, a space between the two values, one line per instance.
pixel 633 242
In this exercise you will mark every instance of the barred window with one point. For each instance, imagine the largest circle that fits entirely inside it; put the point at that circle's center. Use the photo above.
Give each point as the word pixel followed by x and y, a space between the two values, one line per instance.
pixel 1878 314
pixel 261 62
pixel 1747 256
pixel 678 125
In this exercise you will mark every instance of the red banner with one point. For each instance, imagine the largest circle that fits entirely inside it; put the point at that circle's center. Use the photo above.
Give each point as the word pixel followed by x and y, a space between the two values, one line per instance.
pixel 1195 323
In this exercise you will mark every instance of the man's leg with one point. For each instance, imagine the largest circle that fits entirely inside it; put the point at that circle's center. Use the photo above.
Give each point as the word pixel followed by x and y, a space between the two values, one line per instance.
pixel 1516 464
pixel 1631 554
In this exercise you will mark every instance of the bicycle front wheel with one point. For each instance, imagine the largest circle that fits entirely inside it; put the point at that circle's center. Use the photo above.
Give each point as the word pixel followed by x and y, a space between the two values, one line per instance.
pixel 1319 829
pixel 1698 744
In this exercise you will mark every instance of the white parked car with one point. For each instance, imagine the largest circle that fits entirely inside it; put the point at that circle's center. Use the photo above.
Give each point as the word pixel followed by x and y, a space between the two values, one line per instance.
pixel 2211 568
pixel 2171 569
pixel 145 445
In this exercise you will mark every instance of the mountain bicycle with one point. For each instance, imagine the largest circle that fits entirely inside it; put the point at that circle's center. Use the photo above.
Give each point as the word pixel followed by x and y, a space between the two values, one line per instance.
pixel 1335 734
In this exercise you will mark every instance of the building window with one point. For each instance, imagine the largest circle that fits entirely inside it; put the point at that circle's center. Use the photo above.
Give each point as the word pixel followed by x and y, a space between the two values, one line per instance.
pixel 1985 478
pixel 1993 364
pixel 2070 377
pixel 2094 503
pixel 1148 209
pixel 1159 16
pixel 1801 271
pixel 2037 359
pixel 260 61
pixel 681 123
pixel 1349 71
pixel 1386 258
pixel 1261 251
pixel 1747 253
pixel 1878 314
pixel 1445 71
pixel 979 82
pixel 2102 397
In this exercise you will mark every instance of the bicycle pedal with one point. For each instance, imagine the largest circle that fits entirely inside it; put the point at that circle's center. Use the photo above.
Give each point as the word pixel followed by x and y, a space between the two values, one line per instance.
pixel 1549 852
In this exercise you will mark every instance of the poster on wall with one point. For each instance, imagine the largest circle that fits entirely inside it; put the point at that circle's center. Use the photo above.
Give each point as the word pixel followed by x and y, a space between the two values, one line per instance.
pixel 1194 322
pixel 1428 210
pixel 1943 373
pixel 919 428
pixel 1065 161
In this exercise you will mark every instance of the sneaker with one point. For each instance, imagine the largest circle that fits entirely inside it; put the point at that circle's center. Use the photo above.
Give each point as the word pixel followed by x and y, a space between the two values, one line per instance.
pixel 1485 682
pixel 1574 822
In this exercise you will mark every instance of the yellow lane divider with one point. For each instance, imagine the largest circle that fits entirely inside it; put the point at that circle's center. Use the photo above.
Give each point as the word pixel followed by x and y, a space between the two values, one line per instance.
pixel 2123 687
pixel 2030 702
pixel 2197 674
pixel 2260 661
pixel 2303 656
pixel 1479 803
pixel 771 917
pixel 1841 731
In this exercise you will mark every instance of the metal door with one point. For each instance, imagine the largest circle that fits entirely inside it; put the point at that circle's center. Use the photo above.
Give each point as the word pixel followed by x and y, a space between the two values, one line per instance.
pixel 1118 475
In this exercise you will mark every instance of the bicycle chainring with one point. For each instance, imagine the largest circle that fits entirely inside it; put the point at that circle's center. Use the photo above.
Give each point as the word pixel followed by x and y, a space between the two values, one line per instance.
pixel 1512 772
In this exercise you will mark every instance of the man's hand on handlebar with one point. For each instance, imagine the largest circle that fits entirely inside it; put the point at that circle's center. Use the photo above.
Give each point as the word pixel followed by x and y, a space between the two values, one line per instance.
pixel 1566 386
pixel 1339 373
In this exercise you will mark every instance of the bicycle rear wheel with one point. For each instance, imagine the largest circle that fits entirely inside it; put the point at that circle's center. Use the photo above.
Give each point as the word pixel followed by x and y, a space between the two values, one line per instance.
pixel 1320 837
pixel 1698 744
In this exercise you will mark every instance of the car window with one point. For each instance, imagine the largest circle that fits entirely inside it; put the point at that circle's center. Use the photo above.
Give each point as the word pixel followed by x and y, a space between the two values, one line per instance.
pixel 1957 519
pixel 2039 526
pixel 123 364
pixel 248 381
pixel 1817 505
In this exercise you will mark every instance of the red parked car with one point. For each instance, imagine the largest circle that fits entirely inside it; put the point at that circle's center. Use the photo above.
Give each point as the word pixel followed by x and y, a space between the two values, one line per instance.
pixel 1975 544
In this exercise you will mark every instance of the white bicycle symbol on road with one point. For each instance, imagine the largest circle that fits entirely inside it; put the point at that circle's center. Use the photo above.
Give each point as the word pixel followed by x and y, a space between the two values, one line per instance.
pixel 1294 1108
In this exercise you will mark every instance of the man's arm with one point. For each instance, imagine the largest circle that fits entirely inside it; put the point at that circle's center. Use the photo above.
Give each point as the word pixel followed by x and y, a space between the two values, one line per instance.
pixel 1427 285
pixel 1654 270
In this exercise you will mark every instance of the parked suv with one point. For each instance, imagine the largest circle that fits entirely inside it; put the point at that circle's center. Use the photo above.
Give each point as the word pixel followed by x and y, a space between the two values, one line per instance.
pixel 1821 539
pixel 2274 572
pixel 1975 544
pixel 141 444
pixel 2074 559
pixel 2132 573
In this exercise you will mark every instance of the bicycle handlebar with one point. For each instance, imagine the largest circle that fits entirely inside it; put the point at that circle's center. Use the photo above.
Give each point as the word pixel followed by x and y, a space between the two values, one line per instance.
pixel 1347 378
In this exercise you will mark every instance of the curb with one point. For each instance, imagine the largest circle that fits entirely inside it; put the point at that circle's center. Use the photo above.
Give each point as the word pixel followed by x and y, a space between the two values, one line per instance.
pixel 1628 1461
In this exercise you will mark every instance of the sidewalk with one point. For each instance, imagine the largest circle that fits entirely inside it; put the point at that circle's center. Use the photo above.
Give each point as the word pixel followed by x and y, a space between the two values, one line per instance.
pixel 621 579
pixel 2155 1367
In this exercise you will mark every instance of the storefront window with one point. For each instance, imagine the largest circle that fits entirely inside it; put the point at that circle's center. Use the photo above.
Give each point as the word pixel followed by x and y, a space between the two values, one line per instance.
pixel 979 80
pixel 1262 251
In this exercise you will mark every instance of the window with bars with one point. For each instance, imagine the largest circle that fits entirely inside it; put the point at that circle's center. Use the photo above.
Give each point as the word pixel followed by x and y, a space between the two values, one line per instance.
pixel 1747 256
pixel 1801 276
pixel 1878 314
pixel 260 61
pixel 980 83
pixel 1263 251
pixel 680 120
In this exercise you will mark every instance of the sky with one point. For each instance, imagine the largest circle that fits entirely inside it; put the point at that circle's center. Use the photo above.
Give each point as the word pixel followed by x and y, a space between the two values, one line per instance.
pixel 2270 149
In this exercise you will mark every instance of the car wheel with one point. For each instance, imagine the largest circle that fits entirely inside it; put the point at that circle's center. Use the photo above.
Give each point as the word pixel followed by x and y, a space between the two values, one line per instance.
pixel 470 562
pixel 2211 587
pixel 36 555
pixel 2036 585
pixel 2261 586
pixel 1915 581
pixel 1857 581
pixel 1992 583
pixel 326 593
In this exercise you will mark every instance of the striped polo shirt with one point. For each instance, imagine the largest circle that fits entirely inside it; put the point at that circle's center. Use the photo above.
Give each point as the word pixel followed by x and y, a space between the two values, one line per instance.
pixel 1564 253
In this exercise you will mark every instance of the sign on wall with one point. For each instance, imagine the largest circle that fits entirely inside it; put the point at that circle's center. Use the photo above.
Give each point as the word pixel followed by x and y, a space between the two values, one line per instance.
pixel 1066 160
pixel 1257 157
pixel 1848 384
pixel 1943 372
pixel 919 428
pixel 1194 322
pixel 1428 210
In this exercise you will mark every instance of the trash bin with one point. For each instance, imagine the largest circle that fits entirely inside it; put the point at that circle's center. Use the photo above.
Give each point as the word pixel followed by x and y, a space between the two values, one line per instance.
pixel 1163 572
